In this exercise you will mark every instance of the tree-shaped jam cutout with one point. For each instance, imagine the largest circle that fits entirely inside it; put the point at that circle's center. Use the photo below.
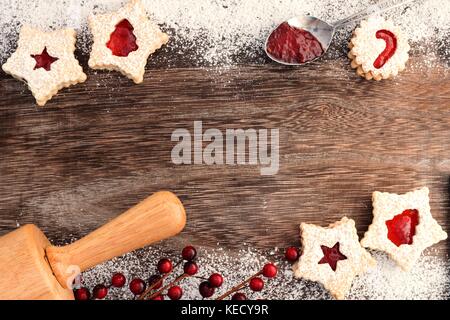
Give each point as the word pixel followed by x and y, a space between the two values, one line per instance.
pixel 389 50
pixel 43 60
pixel 332 256
pixel 402 228
pixel 122 41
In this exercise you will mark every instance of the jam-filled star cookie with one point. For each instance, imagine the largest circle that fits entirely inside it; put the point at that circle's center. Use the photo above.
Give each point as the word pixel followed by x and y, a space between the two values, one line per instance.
pixel 124 40
pixel 378 49
pixel 45 61
pixel 332 256
pixel 402 226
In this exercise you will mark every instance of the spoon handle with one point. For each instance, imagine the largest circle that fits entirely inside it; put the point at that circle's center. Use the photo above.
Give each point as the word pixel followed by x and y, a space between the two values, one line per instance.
pixel 375 8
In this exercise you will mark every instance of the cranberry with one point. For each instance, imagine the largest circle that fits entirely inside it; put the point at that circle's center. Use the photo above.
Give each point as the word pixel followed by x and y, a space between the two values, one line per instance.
pixel 205 289
pixel 270 270
pixel 256 284
pixel 291 254
pixel 175 293
pixel 118 280
pixel 158 297
pixel 82 294
pixel 238 296
pixel 137 286
pixel 155 281
pixel 215 280
pixel 190 268
pixel 189 253
pixel 165 266
pixel 100 291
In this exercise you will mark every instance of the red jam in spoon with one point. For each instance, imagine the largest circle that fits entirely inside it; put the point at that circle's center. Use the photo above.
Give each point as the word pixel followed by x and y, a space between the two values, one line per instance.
pixel 43 60
pixel 293 45
pixel 388 52
pixel 332 256
pixel 122 40
pixel 402 228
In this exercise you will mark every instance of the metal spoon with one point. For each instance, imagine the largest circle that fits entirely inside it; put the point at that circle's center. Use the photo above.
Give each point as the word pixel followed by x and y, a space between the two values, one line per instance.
pixel 324 32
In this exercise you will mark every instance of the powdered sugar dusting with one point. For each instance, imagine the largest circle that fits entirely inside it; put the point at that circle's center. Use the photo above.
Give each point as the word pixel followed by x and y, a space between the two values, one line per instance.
pixel 429 279
pixel 224 31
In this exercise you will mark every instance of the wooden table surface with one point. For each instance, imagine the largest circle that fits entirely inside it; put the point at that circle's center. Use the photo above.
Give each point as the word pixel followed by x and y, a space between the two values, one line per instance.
pixel 100 147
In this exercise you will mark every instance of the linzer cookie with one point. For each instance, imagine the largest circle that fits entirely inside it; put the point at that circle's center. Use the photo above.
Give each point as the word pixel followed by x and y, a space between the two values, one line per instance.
pixel 378 49
pixel 124 40
pixel 402 226
pixel 332 256
pixel 45 61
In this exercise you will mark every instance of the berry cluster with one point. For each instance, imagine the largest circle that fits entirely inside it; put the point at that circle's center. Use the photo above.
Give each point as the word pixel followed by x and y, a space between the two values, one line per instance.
pixel 207 288
pixel 255 283
pixel 155 287
pixel 157 290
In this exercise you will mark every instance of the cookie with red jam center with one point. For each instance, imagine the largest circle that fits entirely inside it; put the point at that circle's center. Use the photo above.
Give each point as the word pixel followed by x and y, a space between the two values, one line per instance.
pixel 332 256
pixel 45 61
pixel 403 226
pixel 378 49
pixel 124 40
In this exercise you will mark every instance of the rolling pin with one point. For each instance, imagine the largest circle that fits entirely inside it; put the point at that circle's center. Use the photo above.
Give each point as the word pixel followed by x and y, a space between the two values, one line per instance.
pixel 31 268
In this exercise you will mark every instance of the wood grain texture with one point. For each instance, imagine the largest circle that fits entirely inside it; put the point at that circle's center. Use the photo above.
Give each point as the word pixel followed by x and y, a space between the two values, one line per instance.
pixel 99 147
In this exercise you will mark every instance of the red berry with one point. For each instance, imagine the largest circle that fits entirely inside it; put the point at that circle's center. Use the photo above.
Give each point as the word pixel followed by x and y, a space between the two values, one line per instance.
pixel 158 297
pixel 215 280
pixel 118 280
pixel 190 268
pixel 100 291
pixel 155 281
pixel 238 296
pixel 137 286
pixel 256 284
pixel 165 266
pixel 189 253
pixel 270 270
pixel 205 289
pixel 82 294
pixel 175 293
pixel 291 254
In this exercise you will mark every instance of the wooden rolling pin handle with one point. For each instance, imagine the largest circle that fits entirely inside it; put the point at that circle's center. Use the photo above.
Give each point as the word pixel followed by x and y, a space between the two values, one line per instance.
pixel 158 217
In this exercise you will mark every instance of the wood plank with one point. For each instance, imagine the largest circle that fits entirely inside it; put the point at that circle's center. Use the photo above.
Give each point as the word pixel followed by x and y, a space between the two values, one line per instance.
pixel 102 146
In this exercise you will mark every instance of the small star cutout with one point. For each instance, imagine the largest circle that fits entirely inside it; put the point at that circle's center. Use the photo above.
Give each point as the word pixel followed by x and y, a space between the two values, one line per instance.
pixel 123 40
pixel 45 61
pixel 402 226
pixel 332 256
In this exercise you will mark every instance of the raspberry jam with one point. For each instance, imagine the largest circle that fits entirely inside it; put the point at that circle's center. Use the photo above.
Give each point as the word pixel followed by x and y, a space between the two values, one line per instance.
pixel 332 256
pixel 122 41
pixel 388 52
pixel 402 228
pixel 43 60
pixel 293 45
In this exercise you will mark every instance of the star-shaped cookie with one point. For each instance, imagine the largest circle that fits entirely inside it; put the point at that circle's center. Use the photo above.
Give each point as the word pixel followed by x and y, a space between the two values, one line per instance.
pixel 123 40
pixel 402 226
pixel 332 256
pixel 45 61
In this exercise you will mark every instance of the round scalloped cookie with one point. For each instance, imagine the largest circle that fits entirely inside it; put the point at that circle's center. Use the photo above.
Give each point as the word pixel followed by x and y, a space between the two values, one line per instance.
pixel 368 43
